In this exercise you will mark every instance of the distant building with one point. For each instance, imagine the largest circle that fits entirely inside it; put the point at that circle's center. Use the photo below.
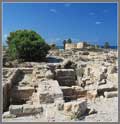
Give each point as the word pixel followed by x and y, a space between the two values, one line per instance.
pixel 79 45
pixel 69 46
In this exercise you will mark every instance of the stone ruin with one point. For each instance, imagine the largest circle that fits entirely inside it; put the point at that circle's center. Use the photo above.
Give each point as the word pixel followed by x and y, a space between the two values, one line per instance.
pixel 67 85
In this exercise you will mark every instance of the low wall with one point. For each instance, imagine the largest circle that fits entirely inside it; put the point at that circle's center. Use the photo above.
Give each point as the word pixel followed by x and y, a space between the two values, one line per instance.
pixel 7 85
pixel 65 77
pixel 21 94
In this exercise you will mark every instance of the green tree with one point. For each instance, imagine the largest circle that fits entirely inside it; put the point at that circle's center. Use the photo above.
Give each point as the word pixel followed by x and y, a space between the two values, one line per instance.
pixel 106 45
pixel 69 41
pixel 27 45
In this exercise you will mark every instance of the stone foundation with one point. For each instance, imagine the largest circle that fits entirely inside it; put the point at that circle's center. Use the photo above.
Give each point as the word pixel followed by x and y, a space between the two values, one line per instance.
pixel 21 94
pixel 65 77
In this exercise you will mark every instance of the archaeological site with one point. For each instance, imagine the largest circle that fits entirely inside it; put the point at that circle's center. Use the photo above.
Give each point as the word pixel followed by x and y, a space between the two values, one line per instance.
pixel 73 85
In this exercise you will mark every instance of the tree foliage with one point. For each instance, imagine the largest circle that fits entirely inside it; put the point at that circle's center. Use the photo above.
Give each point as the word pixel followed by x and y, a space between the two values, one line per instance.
pixel 66 41
pixel 69 41
pixel 106 45
pixel 27 45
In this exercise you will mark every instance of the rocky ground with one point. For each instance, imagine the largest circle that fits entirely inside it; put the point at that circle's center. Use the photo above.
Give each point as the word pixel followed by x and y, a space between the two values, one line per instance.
pixel 107 111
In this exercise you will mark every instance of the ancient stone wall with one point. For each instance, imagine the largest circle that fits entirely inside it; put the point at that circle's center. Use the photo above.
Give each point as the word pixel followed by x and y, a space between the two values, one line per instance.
pixel 21 94
pixel 7 86
pixel 65 77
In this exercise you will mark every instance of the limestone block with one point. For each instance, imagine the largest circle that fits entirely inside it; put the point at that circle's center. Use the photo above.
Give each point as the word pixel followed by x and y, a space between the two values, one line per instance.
pixel 38 109
pixel 67 106
pixel 78 106
pixel 48 91
pixel 111 94
pixel 16 109
pixel 28 109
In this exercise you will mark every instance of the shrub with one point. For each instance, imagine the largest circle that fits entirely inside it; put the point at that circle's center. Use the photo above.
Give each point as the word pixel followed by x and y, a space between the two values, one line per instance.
pixel 53 46
pixel 27 45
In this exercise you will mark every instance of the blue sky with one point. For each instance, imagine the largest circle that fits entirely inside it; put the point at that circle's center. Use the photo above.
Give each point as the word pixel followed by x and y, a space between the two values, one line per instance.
pixel 91 22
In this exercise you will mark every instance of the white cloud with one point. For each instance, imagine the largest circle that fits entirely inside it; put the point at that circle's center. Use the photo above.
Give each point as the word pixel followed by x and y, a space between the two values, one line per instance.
pixel 53 10
pixel 67 4
pixel 98 22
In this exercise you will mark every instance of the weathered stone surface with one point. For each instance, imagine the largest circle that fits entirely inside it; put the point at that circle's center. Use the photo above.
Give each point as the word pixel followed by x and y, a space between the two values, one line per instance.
pixel 32 109
pixel 46 97
pixel 67 91
pixel 16 109
pixel 27 70
pixel 103 76
pixel 28 109
pixel 80 72
pixel 11 77
pixel 49 75
pixel 67 106
pixel 65 77
pixel 8 115
pixel 48 91
pixel 78 106
pixel 38 109
pixel 92 94
pixel 111 94
pixel 6 96
pixel 107 87
pixel 113 69
pixel 20 94
pixel 59 104
pixel 104 69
